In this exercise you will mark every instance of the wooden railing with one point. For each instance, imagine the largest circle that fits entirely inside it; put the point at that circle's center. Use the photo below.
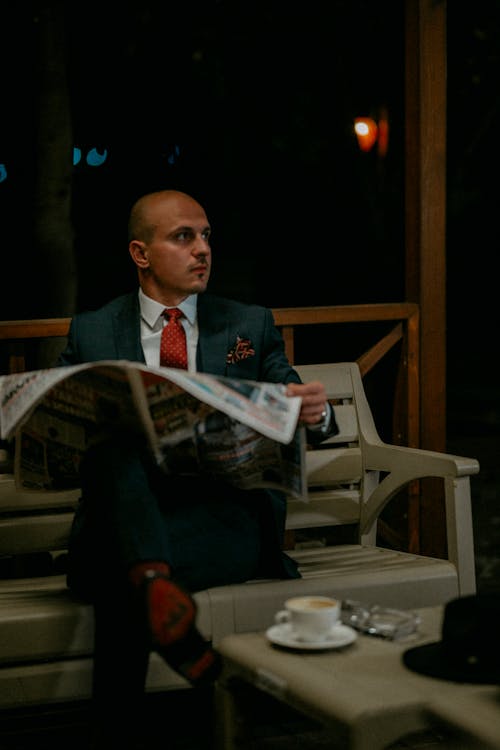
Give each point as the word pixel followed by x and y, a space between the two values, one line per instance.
pixel 405 316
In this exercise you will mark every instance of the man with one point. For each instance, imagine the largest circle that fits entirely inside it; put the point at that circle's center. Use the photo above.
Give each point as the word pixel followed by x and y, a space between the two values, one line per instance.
pixel 143 541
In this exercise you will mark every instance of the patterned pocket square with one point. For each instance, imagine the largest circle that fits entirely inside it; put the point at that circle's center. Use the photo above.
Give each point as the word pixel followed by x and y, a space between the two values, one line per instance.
pixel 241 350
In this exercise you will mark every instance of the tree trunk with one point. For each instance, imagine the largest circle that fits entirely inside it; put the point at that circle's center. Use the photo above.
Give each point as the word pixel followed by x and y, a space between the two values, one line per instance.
pixel 53 231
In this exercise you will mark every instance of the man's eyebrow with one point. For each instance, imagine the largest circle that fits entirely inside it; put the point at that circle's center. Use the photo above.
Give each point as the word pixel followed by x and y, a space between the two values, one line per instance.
pixel 182 228
pixel 190 228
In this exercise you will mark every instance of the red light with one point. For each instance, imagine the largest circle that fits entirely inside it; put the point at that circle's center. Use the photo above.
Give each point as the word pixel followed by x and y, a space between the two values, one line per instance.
pixel 366 131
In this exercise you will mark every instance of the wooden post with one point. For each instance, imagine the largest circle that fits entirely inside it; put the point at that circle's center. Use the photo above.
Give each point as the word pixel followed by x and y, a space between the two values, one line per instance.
pixel 425 226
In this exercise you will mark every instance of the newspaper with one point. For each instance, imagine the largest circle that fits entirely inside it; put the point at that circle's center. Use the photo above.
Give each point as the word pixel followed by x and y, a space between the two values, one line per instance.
pixel 242 431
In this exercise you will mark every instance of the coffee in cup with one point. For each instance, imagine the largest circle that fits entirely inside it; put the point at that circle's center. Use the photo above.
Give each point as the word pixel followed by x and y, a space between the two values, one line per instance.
pixel 311 618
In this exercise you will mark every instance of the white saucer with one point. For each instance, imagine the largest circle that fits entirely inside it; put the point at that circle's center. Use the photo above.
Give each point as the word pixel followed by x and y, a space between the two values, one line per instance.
pixel 281 635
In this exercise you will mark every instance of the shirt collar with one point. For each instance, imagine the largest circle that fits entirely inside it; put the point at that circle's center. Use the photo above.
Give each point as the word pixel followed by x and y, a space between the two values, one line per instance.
pixel 151 310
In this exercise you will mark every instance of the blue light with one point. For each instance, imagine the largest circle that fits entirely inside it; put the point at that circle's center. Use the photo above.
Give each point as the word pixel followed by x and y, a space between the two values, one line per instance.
pixel 174 155
pixel 96 158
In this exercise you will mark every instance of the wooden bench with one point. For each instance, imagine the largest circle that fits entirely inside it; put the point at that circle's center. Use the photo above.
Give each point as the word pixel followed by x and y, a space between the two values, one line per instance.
pixel 46 636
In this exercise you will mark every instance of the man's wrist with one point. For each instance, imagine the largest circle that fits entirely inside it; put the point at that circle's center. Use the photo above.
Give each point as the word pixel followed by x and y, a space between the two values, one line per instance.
pixel 324 424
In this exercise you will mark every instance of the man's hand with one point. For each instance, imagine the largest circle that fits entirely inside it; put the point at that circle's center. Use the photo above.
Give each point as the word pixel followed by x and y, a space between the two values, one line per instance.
pixel 314 406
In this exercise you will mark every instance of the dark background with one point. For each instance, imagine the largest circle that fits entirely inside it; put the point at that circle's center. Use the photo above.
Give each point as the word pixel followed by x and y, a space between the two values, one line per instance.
pixel 250 107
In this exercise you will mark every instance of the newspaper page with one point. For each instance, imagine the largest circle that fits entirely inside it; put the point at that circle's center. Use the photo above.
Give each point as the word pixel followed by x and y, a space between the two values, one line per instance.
pixel 242 431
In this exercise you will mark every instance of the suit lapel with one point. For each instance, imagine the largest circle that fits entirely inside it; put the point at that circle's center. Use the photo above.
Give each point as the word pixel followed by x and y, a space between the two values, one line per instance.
pixel 127 331
pixel 213 341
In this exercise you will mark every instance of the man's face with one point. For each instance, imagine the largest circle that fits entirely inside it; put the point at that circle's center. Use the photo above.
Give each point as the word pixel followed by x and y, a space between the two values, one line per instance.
pixel 178 256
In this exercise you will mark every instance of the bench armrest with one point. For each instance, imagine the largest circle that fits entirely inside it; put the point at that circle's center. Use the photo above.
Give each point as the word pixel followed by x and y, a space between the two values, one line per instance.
pixel 403 465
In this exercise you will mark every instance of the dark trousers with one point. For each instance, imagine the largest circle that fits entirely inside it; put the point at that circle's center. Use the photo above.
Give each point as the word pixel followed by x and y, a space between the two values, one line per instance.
pixel 208 532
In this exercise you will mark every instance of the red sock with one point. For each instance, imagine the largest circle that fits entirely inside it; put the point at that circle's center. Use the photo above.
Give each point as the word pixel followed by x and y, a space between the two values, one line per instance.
pixel 138 571
pixel 171 614
pixel 194 658
pixel 201 668
pixel 170 610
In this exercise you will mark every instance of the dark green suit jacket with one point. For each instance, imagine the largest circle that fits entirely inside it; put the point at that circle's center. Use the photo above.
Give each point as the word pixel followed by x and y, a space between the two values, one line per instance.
pixel 113 332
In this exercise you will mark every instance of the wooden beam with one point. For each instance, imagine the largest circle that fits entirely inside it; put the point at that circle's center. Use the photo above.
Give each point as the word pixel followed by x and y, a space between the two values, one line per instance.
pixel 425 227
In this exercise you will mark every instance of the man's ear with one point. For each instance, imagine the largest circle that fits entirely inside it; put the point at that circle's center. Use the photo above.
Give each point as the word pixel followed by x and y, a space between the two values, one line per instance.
pixel 139 253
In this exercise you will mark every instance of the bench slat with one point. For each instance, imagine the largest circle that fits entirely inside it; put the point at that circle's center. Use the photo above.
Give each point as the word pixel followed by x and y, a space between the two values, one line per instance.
pixel 45 533
pixel 12 500
pixel 333 465
pixel 326 508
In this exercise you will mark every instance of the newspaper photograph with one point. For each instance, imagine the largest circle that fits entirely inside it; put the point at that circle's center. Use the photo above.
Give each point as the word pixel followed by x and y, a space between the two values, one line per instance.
pixel 241 431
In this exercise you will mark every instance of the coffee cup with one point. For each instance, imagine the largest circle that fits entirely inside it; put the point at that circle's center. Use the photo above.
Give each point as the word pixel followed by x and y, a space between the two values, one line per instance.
pixel 311 618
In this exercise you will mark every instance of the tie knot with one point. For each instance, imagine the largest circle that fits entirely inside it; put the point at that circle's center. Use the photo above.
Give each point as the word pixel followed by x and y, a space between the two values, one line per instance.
pixel 173 314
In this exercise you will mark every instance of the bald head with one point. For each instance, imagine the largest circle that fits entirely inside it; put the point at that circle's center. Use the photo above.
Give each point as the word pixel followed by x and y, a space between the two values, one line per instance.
pixel 147 211
pixel 169 242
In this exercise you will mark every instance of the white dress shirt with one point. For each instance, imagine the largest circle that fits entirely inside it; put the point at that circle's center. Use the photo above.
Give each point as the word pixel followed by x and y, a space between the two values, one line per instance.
pixel 152 322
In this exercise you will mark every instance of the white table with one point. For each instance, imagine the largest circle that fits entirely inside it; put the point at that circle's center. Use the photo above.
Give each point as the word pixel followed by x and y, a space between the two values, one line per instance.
pixel 363 694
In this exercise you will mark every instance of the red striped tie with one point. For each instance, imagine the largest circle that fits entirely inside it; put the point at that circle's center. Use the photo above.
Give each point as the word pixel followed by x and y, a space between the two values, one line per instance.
pixel 173 350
